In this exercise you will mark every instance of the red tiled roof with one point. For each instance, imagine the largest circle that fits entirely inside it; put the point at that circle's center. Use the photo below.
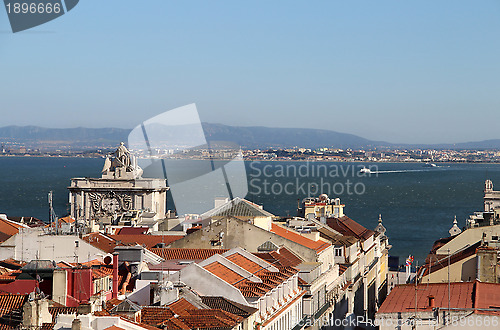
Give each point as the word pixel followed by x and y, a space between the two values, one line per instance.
pixel 102 272
pixel 12 264
pixel 348 227
pixel 487 297
pixel 402 297
pixel 281 257
pixel 47 326
pixel 54 311
pixel 131 231
pixel 112 303
pixel 114 327
pixel 180 306
pixel 224 273
pixel 483 297
pixel 149 241
pixel 228 306
pixel 175 324
pixel 9 277
pixel 90 263
pixel 299 239
pixel 203 319
pixel 10 302
pixel 155 315
pixel 101 241
pixel 67 219
pixel 245 263
pixel 8 229
pixel 286 257
pixel 186 254
pixel 19 287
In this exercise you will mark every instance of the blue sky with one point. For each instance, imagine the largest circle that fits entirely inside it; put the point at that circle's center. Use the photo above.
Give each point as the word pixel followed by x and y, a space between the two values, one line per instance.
pixel 400 71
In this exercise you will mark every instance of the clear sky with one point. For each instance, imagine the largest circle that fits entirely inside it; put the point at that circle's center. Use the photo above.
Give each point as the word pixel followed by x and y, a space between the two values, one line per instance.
pixel 400 71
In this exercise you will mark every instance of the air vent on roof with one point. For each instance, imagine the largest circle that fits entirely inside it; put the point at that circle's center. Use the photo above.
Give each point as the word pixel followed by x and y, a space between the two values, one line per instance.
pixel 267 246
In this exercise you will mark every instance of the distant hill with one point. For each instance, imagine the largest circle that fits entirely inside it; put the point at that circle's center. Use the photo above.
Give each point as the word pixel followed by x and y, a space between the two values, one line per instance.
pixel 247 137
pixel 35 136
pixel 261 137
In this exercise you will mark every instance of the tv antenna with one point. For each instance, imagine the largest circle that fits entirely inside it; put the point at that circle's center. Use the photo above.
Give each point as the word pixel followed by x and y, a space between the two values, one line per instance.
pixel 52 215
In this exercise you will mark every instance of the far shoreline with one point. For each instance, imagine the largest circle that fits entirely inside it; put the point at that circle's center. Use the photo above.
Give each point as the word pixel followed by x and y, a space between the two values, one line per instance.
pixel 263 160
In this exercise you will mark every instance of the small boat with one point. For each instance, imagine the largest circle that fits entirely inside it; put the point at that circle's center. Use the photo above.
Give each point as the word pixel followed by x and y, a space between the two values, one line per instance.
pixel 430 165
pixel 365 170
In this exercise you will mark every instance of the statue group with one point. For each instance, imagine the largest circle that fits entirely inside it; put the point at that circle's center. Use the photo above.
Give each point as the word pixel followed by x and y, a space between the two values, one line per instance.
pixel 120 162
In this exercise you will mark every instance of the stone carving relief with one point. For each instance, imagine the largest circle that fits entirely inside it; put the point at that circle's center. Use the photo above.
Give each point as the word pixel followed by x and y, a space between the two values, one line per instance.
pixel 109 203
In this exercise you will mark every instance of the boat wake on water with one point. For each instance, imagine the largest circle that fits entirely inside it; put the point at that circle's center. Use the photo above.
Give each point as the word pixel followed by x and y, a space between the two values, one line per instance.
pixel 370 171
pixel 398 171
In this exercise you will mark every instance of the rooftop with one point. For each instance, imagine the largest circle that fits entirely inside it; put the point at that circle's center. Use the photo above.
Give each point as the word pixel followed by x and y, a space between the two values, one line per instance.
pixel 224 273
pixel 186 254
pixel 228 306
pixel 402 297
pixel 484 297
pixel 282 257
pixel 348 227
pixel 148 241
pixel 298 238
pixel 237 207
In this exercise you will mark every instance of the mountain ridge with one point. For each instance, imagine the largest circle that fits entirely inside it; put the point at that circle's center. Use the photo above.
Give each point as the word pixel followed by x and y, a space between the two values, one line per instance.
pixel 254 137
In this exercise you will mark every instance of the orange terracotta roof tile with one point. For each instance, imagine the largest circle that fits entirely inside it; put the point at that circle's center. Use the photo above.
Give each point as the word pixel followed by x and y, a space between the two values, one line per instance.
pixel 102 272
pixel 186 254
pixel 11 302
pixel 228 306
pixel 204 319
pixel 176 324
pixel 114 327
pixel 402 297
pixel 12 264
pixel 9 277
pixel 112 303
pixel 101 241
pixel 19 286
pixel 131 230
pixel 286 257
pixel 245 263
pixel 54 311
pixel 487 297
pixel 148 241
pixel 180 306
pixel 47 326
pixel 67 219
pixel 155 315
pixel 291 235
pixel 8 229
pixel 348 227
pixel 224 273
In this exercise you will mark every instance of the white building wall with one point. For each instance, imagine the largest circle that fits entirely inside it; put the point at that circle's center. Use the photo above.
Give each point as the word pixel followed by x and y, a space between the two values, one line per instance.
pixel 31 244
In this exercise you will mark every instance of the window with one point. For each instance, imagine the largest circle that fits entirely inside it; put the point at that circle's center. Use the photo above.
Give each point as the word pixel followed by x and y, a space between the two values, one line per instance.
pixel 338 252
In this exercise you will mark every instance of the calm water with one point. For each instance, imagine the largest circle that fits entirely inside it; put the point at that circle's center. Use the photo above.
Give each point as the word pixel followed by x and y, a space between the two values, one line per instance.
pixel 417 204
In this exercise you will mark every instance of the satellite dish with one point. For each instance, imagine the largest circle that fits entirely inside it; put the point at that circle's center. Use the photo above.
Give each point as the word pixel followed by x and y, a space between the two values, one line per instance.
pixel 107 260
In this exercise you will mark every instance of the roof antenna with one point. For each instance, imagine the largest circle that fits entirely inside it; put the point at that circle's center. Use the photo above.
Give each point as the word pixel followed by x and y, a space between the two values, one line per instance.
pixel 52 215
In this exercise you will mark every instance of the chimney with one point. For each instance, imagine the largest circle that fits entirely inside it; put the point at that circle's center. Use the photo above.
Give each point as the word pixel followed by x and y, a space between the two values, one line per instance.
pixel 431 302
pixel 76 324
pixel 115 276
